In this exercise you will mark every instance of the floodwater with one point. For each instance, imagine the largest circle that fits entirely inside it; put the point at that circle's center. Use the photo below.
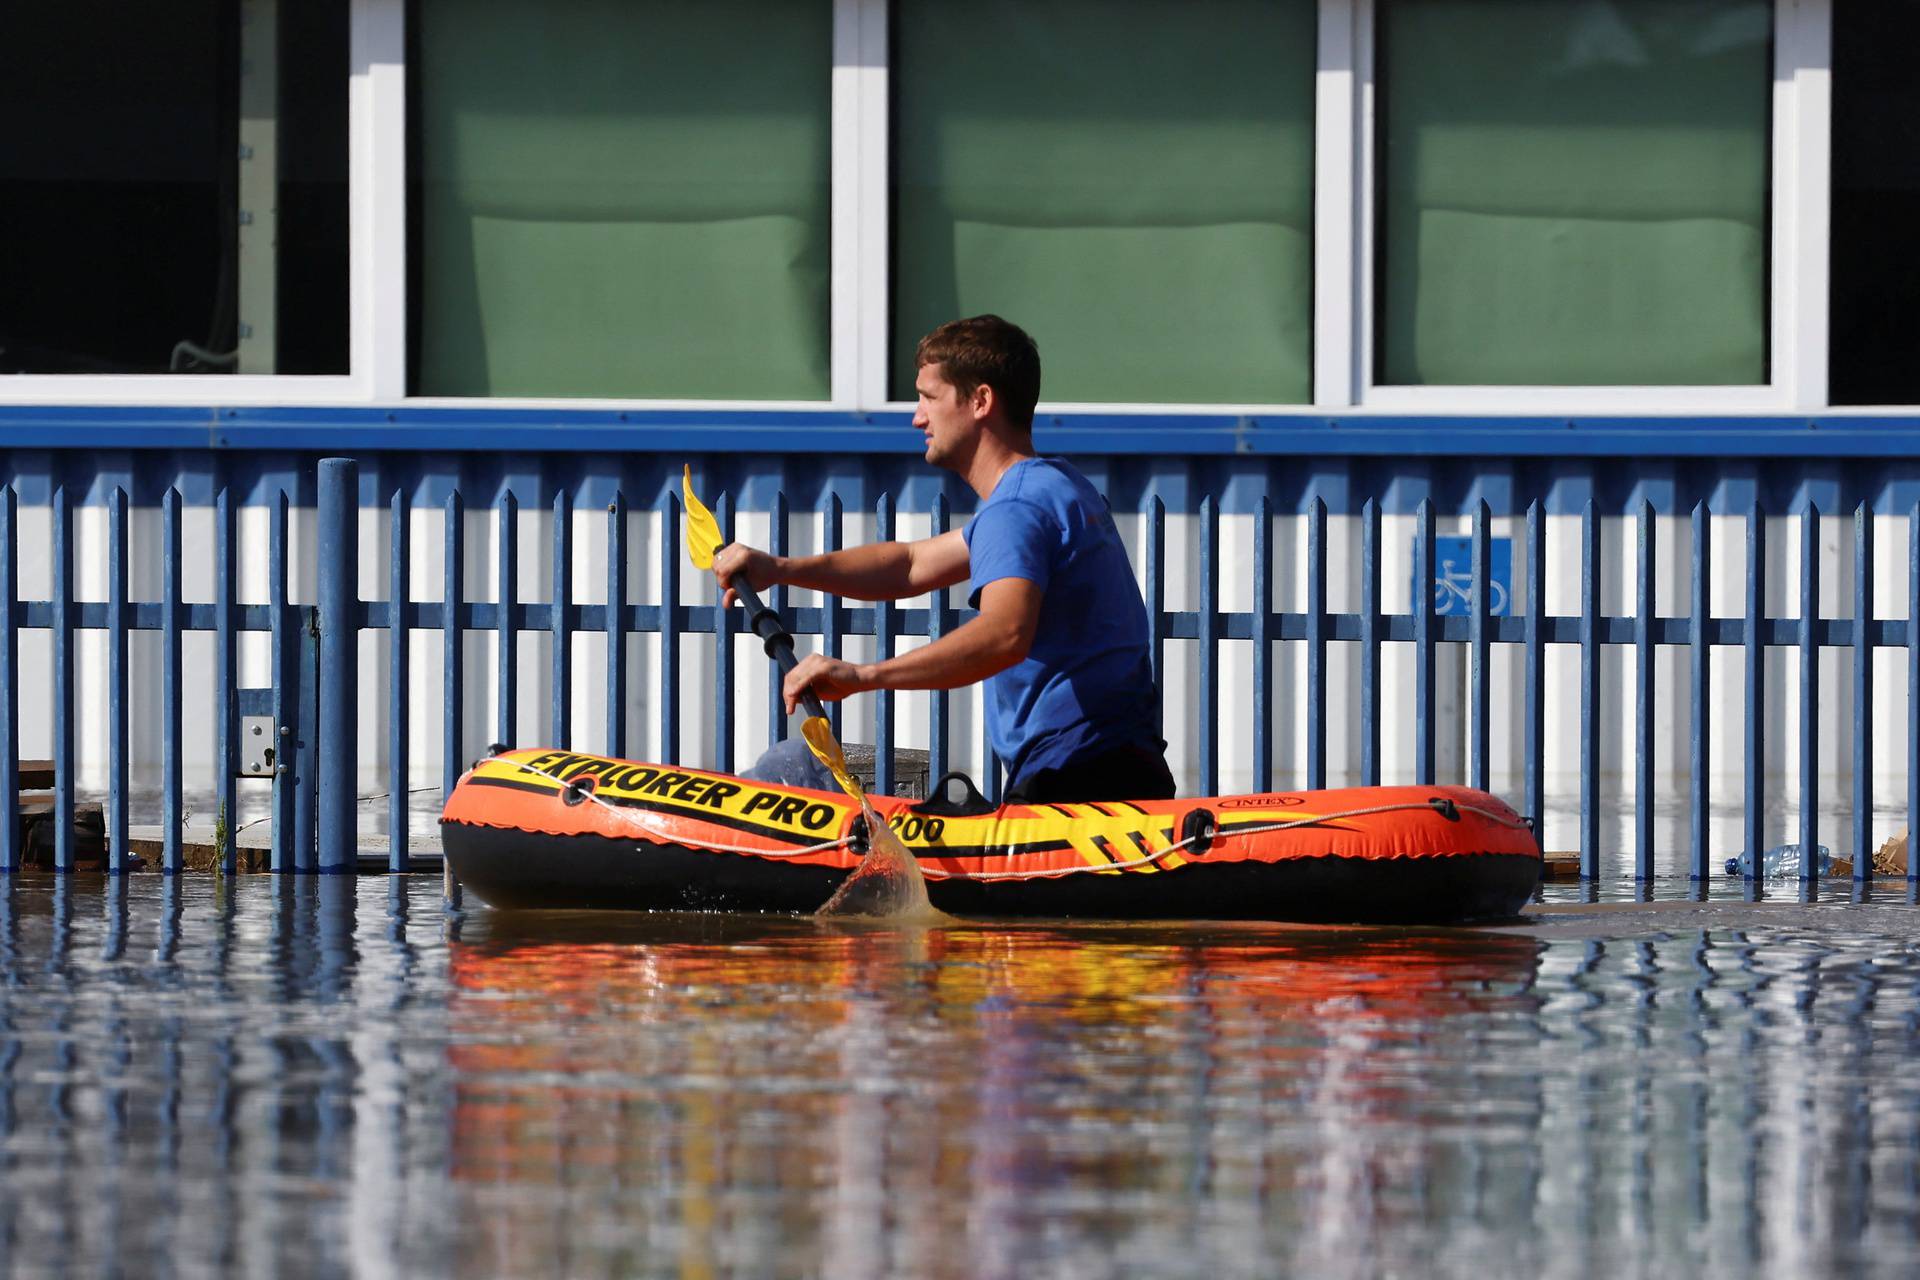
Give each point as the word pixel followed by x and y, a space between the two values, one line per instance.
pixel 291 1078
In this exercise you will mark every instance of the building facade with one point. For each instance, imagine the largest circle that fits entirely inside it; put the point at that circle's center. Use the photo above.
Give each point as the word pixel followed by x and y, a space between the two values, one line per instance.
pixel 1459 250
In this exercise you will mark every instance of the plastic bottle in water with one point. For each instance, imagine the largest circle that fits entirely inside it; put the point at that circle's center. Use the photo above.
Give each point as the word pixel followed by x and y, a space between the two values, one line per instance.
pixel 1782 860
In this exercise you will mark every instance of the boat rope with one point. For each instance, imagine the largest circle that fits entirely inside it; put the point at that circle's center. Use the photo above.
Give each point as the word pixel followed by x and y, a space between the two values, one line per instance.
pixel 1437 806
pixel 1445 806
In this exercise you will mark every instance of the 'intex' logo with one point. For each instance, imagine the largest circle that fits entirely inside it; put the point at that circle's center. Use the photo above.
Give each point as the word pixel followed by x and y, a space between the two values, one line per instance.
pixel 1258 802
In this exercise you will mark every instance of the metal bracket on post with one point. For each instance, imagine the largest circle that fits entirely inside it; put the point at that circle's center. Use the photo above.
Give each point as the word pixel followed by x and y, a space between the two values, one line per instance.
pixel 307 760
pixel 260 753
pixel 265 751
pixel 259 743
pixel 295 750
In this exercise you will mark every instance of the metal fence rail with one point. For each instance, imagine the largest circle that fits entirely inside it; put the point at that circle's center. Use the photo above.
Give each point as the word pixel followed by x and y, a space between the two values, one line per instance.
pixel 315 676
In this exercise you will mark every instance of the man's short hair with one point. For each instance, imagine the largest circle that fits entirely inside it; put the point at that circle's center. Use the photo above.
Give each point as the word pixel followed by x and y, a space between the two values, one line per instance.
pixel 991 351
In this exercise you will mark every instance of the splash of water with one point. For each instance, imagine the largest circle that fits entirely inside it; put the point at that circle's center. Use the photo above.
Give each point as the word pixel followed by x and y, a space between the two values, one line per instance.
pixel 887 885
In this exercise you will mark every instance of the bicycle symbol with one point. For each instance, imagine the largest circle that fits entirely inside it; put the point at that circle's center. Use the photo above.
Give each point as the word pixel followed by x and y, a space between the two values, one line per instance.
pixel 1453 577
pixel 1453 591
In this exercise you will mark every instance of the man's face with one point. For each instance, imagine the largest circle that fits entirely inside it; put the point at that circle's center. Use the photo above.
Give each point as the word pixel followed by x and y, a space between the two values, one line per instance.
pixel 943 416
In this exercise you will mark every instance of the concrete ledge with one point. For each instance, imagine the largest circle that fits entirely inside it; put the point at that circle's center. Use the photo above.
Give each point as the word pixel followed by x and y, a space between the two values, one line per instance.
pixel 255 846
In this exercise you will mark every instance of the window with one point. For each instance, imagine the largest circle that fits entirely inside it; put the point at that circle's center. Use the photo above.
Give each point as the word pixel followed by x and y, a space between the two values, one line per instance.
pixel 173 188
pixel 1131 181
pixel 1573 193
pixel 622 199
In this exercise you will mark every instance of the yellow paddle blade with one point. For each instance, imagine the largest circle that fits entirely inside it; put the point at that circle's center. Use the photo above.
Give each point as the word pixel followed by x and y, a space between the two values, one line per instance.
pixel 818 732
pixel 703 531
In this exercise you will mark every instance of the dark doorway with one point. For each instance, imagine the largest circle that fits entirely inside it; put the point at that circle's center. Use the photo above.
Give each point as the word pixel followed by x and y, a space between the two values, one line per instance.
pixel 1876 203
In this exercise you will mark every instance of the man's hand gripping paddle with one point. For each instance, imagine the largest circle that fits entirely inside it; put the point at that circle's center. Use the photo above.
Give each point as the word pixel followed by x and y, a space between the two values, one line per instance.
pixel 887 883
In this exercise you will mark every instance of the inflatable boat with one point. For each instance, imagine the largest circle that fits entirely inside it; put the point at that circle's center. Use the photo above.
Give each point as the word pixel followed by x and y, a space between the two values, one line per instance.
pixel 542 828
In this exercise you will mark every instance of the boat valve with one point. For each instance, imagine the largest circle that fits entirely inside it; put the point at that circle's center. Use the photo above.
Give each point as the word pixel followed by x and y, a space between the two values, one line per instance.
pixel 1198 829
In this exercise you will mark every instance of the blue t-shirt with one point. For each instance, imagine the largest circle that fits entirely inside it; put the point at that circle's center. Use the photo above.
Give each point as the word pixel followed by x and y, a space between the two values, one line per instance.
pixel 1086 686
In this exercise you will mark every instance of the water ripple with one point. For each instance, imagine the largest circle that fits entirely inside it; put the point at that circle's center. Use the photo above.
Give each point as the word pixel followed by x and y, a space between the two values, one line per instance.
pixel 335 1077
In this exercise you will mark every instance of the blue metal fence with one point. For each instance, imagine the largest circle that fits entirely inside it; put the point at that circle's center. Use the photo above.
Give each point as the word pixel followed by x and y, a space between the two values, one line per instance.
pixel 315 679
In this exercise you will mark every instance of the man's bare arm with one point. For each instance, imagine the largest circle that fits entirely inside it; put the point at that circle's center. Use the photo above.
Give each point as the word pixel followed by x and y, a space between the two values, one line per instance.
pixel 989 643
pixel 877 571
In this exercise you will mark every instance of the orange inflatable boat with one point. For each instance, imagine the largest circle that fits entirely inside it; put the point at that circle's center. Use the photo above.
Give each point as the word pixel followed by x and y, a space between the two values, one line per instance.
pixel 540 828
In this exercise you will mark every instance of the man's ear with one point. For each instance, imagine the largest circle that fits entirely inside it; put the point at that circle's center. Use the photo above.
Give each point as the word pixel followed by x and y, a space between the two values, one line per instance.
pixel 982 402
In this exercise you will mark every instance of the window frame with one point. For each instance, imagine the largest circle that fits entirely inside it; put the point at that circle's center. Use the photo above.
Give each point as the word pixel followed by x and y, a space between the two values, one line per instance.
pixel 1796 249
pixel 376 244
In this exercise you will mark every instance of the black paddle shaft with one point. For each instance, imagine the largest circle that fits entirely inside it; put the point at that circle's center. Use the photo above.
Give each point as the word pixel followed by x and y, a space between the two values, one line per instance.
pixel 777 640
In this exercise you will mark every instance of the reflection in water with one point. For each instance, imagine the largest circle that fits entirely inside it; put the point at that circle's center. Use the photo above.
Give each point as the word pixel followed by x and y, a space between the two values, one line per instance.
pixel 319 1076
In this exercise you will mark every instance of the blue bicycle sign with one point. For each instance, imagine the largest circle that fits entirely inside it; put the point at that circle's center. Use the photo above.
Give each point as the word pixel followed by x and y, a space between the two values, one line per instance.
pixel 1453 576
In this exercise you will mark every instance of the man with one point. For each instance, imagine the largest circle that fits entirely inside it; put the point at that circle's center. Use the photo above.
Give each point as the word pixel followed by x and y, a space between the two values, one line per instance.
pixel 1061 634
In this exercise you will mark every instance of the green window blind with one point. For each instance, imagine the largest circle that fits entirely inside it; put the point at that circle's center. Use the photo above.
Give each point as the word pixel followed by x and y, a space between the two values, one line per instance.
pixel 1573 192
pixel 1129 180
pixel 624 199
